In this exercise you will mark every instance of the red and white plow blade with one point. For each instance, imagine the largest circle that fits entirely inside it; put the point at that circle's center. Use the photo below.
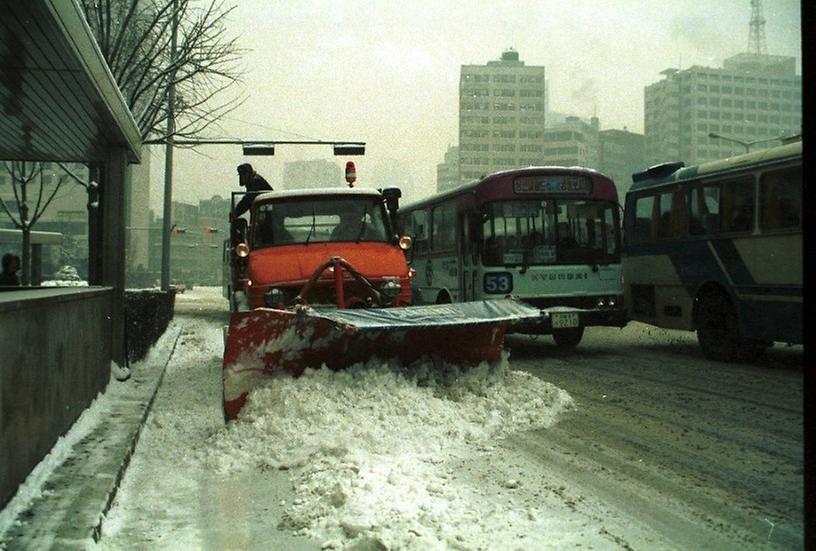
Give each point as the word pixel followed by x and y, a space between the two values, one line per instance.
pixel 267 342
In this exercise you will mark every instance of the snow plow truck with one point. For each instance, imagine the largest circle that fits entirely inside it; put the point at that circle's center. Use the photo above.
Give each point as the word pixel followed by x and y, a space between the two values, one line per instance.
pixel 319 277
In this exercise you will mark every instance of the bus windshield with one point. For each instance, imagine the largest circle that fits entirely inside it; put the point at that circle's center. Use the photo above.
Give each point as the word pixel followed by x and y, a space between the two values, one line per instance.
pixel 305 220
pixel 550 231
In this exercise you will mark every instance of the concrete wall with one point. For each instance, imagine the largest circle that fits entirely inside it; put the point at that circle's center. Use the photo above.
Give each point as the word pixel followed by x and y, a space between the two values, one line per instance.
pixel 55 350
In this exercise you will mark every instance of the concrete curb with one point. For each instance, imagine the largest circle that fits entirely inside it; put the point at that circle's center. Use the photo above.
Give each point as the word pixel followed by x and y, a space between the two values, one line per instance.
pixel 79 492
pixel 97 531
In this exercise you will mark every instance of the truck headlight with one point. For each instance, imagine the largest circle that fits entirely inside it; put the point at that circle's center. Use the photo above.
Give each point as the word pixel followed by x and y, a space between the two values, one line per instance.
pixel 274 297
pixel 390 284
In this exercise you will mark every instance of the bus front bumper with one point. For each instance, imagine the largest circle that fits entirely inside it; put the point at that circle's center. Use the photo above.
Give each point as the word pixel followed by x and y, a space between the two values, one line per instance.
pixel 564 317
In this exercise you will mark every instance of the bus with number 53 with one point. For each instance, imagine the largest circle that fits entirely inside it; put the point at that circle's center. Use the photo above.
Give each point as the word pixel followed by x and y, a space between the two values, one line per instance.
pixel 717 249
pixel 549 236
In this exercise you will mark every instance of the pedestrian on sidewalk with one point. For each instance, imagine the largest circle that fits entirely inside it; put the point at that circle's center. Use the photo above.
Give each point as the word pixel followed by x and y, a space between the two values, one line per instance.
pixel 11 264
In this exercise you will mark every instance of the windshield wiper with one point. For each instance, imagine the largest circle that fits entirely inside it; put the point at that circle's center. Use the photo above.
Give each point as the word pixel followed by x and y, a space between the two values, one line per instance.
pixel 312 229
pixel 362 224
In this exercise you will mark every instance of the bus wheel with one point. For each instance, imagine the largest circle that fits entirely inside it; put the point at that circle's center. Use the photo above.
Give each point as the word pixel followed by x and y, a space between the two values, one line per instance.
pixel 568 338
pixel 717 328
pixel 718 332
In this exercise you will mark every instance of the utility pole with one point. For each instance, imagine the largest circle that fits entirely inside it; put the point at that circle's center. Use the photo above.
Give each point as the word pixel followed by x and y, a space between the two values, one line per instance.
pixel 168 159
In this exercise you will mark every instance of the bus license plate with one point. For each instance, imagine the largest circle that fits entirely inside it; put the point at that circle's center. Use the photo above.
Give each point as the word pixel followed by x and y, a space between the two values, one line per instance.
pixel 563 320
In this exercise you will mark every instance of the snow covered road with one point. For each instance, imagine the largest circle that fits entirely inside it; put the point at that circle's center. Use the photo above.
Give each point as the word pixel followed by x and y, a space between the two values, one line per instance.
pixel 637 443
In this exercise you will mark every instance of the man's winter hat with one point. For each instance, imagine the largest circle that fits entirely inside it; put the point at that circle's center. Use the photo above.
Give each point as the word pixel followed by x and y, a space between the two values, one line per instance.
pixel 245 168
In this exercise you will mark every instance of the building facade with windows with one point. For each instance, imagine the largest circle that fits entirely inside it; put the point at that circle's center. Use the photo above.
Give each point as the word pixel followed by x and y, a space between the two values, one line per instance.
pixel 571 143
pixel 447 172
pixel 752 99
pixel 621 153
pixel 502 108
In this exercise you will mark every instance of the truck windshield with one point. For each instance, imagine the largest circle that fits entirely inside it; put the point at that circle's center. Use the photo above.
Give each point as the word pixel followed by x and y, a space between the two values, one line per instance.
pixel 318 219
pixel 548 231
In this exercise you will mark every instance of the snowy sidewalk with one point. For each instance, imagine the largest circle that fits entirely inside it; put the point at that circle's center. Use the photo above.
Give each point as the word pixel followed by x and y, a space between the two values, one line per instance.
pixel 62 503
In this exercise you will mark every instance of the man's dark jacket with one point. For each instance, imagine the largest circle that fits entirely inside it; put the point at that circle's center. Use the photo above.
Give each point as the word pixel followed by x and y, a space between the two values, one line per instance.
pixel 255 185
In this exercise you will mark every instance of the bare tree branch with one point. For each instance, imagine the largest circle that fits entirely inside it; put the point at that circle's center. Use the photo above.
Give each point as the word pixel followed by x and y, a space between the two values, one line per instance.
pixel 39 212
pixel 135 38
pixel 70 173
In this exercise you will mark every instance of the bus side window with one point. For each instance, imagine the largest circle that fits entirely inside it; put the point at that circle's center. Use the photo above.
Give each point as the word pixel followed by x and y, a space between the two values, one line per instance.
pixel 419 222
pixel 664 216
pixel 642 230
pixel 443 227
pixel 711 203
pixel 679 214
pixel 464 238
pixel 704 217
pixel 738 205
pixel 780 199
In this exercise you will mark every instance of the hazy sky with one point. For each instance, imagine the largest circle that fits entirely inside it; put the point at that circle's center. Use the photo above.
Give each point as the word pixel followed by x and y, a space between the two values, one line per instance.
pixel 387 72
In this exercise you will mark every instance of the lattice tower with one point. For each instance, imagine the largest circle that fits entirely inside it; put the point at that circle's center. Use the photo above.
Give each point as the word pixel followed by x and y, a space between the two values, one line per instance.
pixel 756 33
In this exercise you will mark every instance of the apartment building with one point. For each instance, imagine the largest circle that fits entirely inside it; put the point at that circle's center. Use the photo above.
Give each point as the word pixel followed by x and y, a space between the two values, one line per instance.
pixel 703 113
pixel 502 107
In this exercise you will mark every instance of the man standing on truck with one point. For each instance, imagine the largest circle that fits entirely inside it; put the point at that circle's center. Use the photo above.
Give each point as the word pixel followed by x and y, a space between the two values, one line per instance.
pixel 254 184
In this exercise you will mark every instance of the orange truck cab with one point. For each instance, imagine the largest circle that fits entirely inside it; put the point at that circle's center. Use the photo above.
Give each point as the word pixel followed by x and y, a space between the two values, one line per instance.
pixel 275 260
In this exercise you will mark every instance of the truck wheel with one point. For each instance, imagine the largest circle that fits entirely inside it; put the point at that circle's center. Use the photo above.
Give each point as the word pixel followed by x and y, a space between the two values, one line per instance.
pixel 568 338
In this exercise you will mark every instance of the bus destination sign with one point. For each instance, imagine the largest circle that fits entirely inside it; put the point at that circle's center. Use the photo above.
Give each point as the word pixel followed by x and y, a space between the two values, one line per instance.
pixel 553 183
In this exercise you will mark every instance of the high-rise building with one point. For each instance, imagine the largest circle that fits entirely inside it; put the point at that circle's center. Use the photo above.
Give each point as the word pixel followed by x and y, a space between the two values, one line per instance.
pixel 570 143
pixel 621 154
pixel 502 108
pixel 746 104
pixel 447 172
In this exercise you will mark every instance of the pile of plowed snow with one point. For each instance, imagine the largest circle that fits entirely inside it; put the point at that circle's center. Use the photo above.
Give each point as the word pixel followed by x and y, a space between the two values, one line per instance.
pixel 372 450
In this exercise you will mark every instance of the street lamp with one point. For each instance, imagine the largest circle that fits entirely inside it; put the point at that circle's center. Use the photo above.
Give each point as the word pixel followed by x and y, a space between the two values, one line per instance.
pixel 746 145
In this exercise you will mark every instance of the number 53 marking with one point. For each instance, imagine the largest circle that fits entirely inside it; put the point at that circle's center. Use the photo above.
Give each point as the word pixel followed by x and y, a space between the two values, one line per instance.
pixel 498 283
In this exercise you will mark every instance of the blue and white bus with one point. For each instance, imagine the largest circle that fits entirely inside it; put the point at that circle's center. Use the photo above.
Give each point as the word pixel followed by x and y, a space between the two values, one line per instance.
pixel 717 248
pixel 547 235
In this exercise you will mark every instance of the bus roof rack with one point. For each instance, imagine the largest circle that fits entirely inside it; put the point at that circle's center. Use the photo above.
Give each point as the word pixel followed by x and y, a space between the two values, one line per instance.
pixel 658 171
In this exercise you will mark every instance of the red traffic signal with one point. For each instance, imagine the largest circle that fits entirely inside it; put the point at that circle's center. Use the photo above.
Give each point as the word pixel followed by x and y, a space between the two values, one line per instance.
pixel 351 173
